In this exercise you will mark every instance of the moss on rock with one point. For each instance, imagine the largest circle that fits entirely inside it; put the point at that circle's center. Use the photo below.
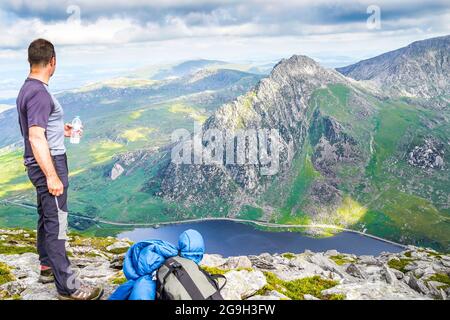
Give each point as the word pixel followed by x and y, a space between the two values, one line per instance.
pixel 5 274
pixel 296 289
pixel 399 264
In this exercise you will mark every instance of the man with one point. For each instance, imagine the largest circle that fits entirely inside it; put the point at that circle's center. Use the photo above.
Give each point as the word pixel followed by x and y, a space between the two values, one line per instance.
pixel 42 125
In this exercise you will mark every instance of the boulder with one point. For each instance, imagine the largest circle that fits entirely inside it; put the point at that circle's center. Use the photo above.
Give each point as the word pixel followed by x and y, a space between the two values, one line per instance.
pixel 117 261
pixel 368 260
pixel 213 260
pixel 418 285
pixel 262 262
pixel 355 271
pixel 389 275
pixel 241 262
pixel 436 290
pixel 119 245
pixel 242 284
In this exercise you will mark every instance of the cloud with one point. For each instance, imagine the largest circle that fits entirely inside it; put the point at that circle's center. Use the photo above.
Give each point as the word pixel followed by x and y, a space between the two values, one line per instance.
pixel 115 22
pixel 124 33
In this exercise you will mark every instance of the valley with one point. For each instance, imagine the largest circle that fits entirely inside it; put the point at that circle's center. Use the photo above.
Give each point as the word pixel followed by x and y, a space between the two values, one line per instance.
pixel 363 158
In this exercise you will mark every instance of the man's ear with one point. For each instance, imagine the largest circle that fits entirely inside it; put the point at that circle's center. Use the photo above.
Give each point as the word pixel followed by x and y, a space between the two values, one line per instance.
pixel 53 61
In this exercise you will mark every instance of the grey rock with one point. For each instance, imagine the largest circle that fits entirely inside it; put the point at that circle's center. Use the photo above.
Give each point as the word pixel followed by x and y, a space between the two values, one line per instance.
pixel 238 262
pixel 331 253
pixel 213 260
pixel 118 245
pixel 389 275
pixel 242 284
pixel 436 290
pixel 398 274
pixel 262 263
pixel 418 285
pixel 368 260
pixel 117 261
pixel 355 271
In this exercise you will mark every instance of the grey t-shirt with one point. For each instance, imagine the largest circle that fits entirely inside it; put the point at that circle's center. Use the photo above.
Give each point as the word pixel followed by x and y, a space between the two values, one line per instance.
pixel 36 106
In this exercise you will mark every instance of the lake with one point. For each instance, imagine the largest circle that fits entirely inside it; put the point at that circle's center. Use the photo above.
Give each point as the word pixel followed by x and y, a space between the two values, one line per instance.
pixel 230 238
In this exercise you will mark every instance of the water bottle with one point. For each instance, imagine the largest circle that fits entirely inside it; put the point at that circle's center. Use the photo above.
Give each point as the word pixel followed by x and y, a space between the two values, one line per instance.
pixel 76 130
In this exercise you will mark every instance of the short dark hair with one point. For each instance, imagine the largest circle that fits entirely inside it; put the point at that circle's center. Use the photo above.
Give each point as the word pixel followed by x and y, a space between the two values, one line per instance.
pixel 40 51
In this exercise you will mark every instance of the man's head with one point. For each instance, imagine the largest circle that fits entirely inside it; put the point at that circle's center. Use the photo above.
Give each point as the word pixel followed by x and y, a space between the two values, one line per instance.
pixel 42 56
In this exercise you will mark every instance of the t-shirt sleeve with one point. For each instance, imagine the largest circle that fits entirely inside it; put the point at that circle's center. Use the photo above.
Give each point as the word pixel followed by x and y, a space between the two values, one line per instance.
pixel 39 108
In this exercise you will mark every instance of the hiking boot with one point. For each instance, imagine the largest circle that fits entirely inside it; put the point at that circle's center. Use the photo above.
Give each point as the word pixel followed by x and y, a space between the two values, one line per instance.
pixel 46 276
pixel 84 293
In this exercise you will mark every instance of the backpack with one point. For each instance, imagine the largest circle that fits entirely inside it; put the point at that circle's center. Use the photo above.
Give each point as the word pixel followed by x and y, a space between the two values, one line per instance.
pixel 182 279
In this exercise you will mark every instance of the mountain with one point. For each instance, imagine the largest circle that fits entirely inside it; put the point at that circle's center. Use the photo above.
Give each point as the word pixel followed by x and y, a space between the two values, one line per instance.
pixel 419 70
pixel 348 157
pixel 185 68
pixel 205 88
pixel 327 275
pixel 4 107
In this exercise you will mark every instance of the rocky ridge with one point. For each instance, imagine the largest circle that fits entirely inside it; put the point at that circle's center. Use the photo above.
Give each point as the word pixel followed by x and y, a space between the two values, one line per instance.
pixel 419 70
pixel 415 273
pixel 279 102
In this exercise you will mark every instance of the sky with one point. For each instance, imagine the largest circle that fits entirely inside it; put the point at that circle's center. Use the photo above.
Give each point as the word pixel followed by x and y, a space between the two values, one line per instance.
pixel 107 38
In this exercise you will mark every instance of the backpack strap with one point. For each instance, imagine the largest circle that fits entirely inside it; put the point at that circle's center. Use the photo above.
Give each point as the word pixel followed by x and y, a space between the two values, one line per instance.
pixel 183 277
pixel 172 266
pixel 216 278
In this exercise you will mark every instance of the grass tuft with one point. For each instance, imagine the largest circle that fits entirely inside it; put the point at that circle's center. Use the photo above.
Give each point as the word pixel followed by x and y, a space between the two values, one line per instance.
pixel 399 264
pixel 341 259
pixel 441 277
pixel 5 274
pixel 296 289
pixel 288 255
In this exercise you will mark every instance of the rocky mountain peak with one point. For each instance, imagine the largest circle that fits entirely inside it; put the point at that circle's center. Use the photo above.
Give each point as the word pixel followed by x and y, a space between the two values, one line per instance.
pixel 419 70
pixel 300 66
pixel 280 102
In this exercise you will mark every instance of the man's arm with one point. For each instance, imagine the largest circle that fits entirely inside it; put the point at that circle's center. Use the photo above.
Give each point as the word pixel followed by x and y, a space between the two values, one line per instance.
pixel 41 153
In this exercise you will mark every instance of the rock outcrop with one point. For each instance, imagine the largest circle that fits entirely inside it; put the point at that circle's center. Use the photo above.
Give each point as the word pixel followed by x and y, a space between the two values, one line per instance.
pixel 415 273
pixel 430 155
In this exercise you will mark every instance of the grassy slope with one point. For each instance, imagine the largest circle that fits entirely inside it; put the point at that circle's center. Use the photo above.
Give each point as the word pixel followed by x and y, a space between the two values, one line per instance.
pixel 396 207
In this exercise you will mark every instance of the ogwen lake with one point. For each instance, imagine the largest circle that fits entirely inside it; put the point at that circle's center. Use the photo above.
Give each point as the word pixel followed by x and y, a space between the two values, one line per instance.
pixel 230 238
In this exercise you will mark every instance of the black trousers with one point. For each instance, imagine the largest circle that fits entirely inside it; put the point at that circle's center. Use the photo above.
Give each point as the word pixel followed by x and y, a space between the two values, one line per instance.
pixel 52 225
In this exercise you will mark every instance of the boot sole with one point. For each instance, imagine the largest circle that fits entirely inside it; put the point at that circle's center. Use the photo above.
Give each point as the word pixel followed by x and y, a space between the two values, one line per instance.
pixel 46 280
pixel 67 298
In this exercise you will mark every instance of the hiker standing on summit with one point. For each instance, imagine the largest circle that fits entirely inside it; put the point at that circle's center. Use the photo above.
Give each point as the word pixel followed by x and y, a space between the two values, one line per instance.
pixel 43 129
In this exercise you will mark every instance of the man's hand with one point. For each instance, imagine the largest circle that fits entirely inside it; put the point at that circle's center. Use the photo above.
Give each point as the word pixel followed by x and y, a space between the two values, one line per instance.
pixel 68 130
pixel 55 186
